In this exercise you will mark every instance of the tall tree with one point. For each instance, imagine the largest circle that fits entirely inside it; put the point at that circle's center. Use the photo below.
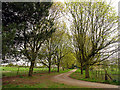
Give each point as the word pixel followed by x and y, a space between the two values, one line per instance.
pixel 49 50
pixel 32 25
pixel 63 49
pixel 93 24
pixel 68 61
pixel 47 53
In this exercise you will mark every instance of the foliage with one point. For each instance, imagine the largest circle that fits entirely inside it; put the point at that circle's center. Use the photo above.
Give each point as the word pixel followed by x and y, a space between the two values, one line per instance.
pixel 68 60
pixel 92 28
pixel 39 33
pixel 32 25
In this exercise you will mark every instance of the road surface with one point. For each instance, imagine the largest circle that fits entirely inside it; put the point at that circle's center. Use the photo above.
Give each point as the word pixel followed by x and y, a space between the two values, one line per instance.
pixel 64 78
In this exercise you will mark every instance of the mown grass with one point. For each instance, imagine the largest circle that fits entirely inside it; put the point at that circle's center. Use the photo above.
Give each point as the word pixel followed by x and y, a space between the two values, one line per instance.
pixel 44 82
pixel 12 71
pixel 96 77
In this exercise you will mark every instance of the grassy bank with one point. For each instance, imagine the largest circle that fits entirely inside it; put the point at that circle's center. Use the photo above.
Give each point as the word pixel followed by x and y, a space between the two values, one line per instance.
pixel 96 77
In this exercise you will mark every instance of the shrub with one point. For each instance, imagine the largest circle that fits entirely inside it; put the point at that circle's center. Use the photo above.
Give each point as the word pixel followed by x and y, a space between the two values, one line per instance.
pixel 10 65
pixel 21 76
pixel 114 80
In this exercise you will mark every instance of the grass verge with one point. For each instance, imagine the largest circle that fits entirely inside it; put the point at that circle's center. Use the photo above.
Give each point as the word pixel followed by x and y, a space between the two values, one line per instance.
pixel 37 81
pixel 93 78
pixel 13 71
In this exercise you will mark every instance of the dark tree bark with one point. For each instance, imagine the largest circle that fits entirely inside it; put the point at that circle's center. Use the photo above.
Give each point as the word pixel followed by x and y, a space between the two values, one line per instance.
pixel 67 66
pixel 63 68
pixel 49 67
pixel 58 66
pixel 87 72
pixel 106 77
pixel 81 69
pixel 18 70
pixel 31 68
pixel 3 58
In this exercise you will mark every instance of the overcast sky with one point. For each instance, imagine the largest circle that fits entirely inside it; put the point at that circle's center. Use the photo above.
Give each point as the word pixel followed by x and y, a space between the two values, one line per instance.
pixel 114 3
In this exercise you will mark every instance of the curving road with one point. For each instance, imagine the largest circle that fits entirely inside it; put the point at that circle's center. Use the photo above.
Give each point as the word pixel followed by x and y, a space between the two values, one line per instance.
pixel 64 78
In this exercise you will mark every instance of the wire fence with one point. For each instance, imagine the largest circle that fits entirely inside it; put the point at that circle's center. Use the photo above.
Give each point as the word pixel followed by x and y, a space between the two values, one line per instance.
pixel 14 71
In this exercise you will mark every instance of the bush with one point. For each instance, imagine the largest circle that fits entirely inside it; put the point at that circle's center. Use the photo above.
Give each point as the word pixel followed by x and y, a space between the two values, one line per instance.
pixel 107 81
pixel 10 65
pixel 16 65
pixel 114 80
pixel 21 76
pixel 41 66
pixel 83 68
pixel 3 75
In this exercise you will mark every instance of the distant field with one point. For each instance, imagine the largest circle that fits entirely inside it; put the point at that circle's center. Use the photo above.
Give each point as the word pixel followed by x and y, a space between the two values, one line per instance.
pixel 12 71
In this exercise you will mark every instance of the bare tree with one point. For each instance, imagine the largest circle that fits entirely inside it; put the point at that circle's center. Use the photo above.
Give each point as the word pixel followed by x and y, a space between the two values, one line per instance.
pixel 94 26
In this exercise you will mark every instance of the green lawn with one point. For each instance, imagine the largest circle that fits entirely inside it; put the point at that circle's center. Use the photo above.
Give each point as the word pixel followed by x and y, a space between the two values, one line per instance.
pixel 38 81
pixel 96 77
pixel 12 71
pixel 44 78
pixel 45 84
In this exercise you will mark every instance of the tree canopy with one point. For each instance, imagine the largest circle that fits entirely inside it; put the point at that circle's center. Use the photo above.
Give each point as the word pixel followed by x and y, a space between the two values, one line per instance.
pixel 59 33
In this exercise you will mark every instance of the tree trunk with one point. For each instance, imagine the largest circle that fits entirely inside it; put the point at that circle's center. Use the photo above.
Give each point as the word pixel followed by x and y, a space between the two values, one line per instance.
pixel 106 78
pixel 18 70
pixel 49 60
pixel 58 67
pixel 96 74
pixel 87 72
pixel 27 64
pixel 49 67
pixel 67 66
pixel 81 70
pixel 3 58
pixel 63 68
pixel 31 68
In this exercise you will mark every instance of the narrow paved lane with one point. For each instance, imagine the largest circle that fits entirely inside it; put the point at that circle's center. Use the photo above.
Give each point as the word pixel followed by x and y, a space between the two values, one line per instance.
pixel 64 78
